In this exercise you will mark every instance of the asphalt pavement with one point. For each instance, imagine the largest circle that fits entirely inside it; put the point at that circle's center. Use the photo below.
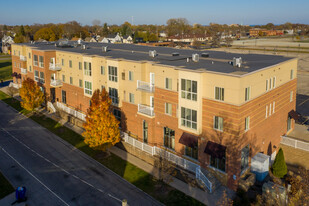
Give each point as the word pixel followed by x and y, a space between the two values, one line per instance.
pixel 54 172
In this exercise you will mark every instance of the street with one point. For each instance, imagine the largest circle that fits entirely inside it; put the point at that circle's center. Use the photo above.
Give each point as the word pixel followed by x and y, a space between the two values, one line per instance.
pixel 53 171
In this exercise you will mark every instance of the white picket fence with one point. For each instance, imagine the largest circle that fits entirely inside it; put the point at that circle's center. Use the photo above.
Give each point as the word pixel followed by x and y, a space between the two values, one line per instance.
pixel 298 144
pixel 179 161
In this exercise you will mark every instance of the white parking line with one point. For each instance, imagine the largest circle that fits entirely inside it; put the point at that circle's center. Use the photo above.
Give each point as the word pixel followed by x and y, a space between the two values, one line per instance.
pixel 35 177
pixel 47 160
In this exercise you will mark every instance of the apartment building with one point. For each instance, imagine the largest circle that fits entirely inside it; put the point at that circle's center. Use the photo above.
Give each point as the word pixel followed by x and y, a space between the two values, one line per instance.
pixel 214 110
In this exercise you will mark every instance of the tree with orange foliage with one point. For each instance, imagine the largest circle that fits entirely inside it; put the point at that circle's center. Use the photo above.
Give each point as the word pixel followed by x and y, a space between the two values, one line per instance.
pixel 101 126
pixel 31 95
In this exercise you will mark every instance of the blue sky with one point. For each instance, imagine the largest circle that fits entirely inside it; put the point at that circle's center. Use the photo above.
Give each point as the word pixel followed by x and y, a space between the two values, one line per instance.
pixel 249 12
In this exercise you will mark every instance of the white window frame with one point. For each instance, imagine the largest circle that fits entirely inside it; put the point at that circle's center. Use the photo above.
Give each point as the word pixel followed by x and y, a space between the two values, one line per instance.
pixel 36 75
pixel 267 85
pixel 185 92
pixel 71 80
pixel 87 68
pixel 292 74
pixel 270 84
pixel 102 70
pixel 247 93
pixel 112 73
pixel 41 63
pixel 291 96
pixel 35 60
pixel 220 93
pixel 80 83
pixel 220 123
pixel 270 109
pixel 113 94
pixel 274 82
pixel 131 98
pixel 185 121
pixel 168 108
pixel 88 88
pixel 70 63
pixel 274 104
pixel 168 83
pixel 247 123
pixel 131 76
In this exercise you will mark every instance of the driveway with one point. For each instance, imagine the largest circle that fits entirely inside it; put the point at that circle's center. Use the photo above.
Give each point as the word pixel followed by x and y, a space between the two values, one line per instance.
pixel 53 171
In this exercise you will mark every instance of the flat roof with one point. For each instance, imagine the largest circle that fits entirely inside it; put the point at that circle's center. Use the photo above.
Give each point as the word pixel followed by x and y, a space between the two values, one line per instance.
pixel 216 62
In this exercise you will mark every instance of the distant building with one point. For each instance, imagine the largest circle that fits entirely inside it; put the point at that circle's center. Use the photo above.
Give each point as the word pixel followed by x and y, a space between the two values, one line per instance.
pixel 114 38
pixel 188 38
pixel 127 39
pixel 265 32
pixel 90 39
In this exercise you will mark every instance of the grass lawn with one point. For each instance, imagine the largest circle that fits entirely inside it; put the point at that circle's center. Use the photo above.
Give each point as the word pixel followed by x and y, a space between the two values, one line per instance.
pixel 5 69
pixel 5 187
pixel 128 171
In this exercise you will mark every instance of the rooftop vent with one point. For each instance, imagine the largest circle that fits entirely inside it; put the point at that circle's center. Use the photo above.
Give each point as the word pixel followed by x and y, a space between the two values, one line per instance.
pixel 175 54
pixel 205 55
pixel 105 48
pixel 153 53
pixel 79 41
pixel 237 61
pixel 195 57
pixel 84 46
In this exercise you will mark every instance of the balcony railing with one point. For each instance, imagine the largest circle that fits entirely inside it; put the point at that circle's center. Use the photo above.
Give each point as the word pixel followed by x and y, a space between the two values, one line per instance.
pixel 146 110
pixel 22 58
pixel 54 67
pixel 71 111
pixel 23 70
pixel 56 83
pixel 15 85
pixel 145 86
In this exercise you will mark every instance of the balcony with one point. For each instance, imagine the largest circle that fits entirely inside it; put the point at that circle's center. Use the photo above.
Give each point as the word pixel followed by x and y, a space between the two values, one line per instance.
pixel 54 67
pixel 147 110
pixel 145 86
pixel 15 85
pixel 71 111
pixel 23 71
pixel 56 83
pixel 22 58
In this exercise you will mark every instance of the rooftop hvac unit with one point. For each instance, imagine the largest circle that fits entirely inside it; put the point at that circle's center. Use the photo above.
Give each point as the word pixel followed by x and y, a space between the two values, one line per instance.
pixel 237 61
pixel 104 48
pixel 79 41
pixel 205 55
pixel 153 53
pixel 83 46
pixel 175 54
pixel 195 57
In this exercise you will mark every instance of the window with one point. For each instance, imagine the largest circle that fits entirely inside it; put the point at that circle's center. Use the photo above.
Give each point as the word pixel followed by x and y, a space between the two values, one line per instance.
pixel 42 79
pixel 113 94
pixel 218 123
pixel 270 85
pixel 247 123
pixel 117 114
pixel 131 77
pixel 36 75
pixel 80 66
pixel 29 55
pixel 168 83
pixel 266 84
pixel 102 70
pixel 191 152
pixel 245 158
pixel 87 68
pixel 274 82
pixel 80 83
pixel 71 80
pixel 189 89
pixel 30 69
pixel 291 96
pixel 289 123
pixel 62 62
pixel 35 60
pixel 64 96
pixel 266 111
pixel 145 132
pixel 112 74
pixel 168 108
pixel 188 118
pixel 70 63
pixel 169 138
pixel 274 106
pixel 219 93
pixel 41 61
pixel 247 93
pixel 292 74
pixel 63 78
pixel 218 163
pixel 269 109
pixel 123 76
pixel 131 98
pixel 88 87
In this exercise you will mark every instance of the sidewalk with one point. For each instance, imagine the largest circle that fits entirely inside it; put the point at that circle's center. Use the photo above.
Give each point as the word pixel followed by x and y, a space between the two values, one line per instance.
pixel 203 196
pixel 8 200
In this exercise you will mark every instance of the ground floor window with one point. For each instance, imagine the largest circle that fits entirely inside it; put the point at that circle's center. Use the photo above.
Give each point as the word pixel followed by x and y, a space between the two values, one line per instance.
pixel 169 138
pixel 64 96
pixel 218 163
pixel 191 152
pixel 245 158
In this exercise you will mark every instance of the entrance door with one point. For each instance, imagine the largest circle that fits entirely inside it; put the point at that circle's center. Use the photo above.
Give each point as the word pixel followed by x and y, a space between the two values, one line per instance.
pixel 52 94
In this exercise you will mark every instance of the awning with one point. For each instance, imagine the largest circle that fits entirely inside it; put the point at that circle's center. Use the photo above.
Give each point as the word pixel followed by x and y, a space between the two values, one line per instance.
pixel 294 115
pixel 215 150
pixel 188 140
